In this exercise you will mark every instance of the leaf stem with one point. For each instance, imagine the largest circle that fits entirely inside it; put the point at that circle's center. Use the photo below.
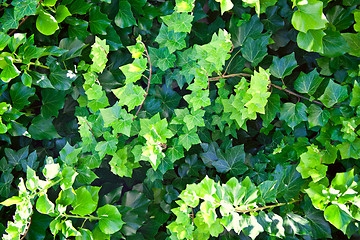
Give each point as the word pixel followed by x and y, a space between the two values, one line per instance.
pixel 229 76
pixel 39 65
pixel 149 82
pixel 264 208
pixel 90 218
pixel 23 20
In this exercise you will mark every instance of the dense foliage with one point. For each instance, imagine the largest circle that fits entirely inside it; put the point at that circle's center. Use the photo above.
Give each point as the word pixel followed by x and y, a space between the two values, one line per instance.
pixel 206 119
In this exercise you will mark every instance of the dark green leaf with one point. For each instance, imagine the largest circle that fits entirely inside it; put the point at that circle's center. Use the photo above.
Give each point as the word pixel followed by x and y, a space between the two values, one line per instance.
pixel 124 18
pixel 334 44
pixel 293 114
pixel 283 67
pixel 308 83
pixel 52 102
pixel 20 95
pixel 110 219
pixel 42 128
pixel 255 50
pixel 98 21
pixel 233 160
pixel 334 93
pixel 252 28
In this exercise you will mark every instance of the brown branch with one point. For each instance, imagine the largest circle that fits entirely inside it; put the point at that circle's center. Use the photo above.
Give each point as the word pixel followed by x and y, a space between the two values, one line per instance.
pixel 23 20
pixel 27 230
pixel 295 94
pixel 149 82
pixel 90 128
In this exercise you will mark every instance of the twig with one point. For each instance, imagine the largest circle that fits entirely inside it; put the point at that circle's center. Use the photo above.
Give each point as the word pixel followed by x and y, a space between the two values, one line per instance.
pixel 90 128
pixel 229 76
pixel 23 20
pixel 27 230
pixel 149 82
pixel 295 94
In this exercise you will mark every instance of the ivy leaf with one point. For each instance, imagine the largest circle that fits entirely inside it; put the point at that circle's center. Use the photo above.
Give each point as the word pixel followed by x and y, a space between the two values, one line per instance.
pixel 42 128
pixel 355 99
pixel 252 28
pixel 184 5
pixel 350 149
pixel 44 205
pixel 198 99
pixel 98 21
pixel 233 160
pixel 271 109
pixel 46 23
pixel 295 224
pixel 20 95
pixel 107 147
pixel 120 164
pixel 110 219
pixel 309 16
pixel 255 50
pixel 130 95
pixel 52 102
pixel 162 58
pixel 178 22
pixel 353 40
pixel 283 67
pixel 134 71
pixel 334 44
pixel 334 93
pixel 317 116
pixel 320 228
pixel 24 8
pixel 62 12
pixel 189 138
pixel 225 5
pixel 69 154
pixel 170 39
pixel 124 18
pixel 98 54
pixel 8 20
pixel 16 157
pixel 260 6
pixel 84 203
pixel 338 215
pixel 311 41
pixel 268 191
pixel 62 79
pixel 293 114
pixel 311 164
pixel 10 71
pixel 195 119
pixel 308 83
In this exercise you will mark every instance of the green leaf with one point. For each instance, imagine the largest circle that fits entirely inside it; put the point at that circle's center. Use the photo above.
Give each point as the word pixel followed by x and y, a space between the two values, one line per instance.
pixel 293 114
pixel 355 99
pixel 268 191
pixel 52 102
pixel 308 83
pixel 338 215
pixel 134 71
pixel 50 171
pixel 84 203
pixel 42 128
pixel 283 67
pixel 24 8
pixel 184 5
pixel 124 18
pixel 162 58
pixel 252 28
pixel 311 164
pixel 62 79
pixel 98 54
pixel 309 16
pixel 130 95
pixel 189 138
pixel 16 157
pixel 44 205
pixel 4 40
pixel 26 79
pixel 20 95
pixel 46 23
pixel 334 44
pixel 317 116
pixel 8 20
pixel 98 21
pixel 334 93
pixel 69 154
pixel 271 109
pixel 68 178
pixel 74 47
pixel 260 6
pixel 350 149
pixel 343 181
pixel 295 224
pixel 320 228
pixel 225 5
pixel 198 99
pixel 62 12
pixel 195 119
pixel 107 147
pixel 233 160
pixel 178 22
pixel 110 219
pixel 10 201
pixel 254 50
pixel 170 39
pixel 10 71
pixel 353 40
pixel 311 41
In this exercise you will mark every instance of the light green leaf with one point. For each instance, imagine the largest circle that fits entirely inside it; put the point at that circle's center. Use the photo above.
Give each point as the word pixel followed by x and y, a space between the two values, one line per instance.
pixel 260 5
pixel 46 23
pixel 98 54
pixel 189 138
pixel 268 191
pixel 170 39
pixel 308 83
pixel 353 40
pixel 293 114
pixel 338 215
pixel 283 67
pixel 311 41
pixel 184 5
pixel 134 71
pixel 130 95
pixel 84 203
pixel 195 119
pixel 10 71
pixel 50 171
pixel 110 219
pixel 178 22
pixel 124 18
pixel 355 99
pixel 311 164
pixel 24 8
pixel 225 5
pixel 309 16
pixel 334 93
pixel 350 149
pixel 44 205
pixel 8 20
pixel 68 178
pixel 62 12
pixel 10 201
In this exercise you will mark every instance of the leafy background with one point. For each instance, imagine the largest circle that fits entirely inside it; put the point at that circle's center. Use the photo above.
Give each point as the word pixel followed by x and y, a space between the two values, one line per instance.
pixel 141 119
